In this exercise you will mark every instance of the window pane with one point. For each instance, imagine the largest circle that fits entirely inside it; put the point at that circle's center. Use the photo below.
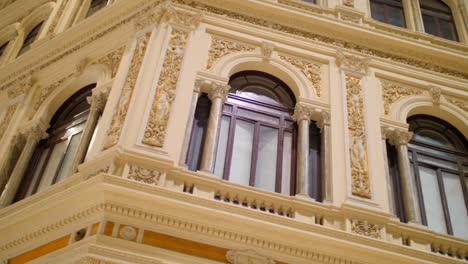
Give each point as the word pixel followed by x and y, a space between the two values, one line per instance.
pixel 95 6
pixel 432 201
pixel 241 153
pixel 447 30
pixel 286 172
pixel 265 175
pixel 222 146
pixel 437 162
pixel 69 156
pixel 52 165
pixel 395 16
pixel 377 12
pixel 456 204
pixel 37 172
pixel 429 25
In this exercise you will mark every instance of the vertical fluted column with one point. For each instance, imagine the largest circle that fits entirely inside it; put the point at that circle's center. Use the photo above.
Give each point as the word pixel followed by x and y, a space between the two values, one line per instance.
pixel 302 114
pixel 325 149
pixel 33 134
pixel 400 139
pixel 97 102
pixel 218 95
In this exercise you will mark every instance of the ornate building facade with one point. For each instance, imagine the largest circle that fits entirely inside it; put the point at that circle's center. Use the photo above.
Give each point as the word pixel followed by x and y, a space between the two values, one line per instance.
pixel 234 131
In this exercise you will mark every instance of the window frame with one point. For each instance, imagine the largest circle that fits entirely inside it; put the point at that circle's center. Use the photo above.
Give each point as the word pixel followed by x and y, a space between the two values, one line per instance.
pixel 437 15
pixel 386 4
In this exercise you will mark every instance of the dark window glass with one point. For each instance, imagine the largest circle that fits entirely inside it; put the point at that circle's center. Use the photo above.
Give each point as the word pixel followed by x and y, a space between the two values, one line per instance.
pixel 95 6
pixel 30 38
pixel 54 156
pixel 438 19
pixel 257 139
pixel 2 48
pixel 388 11
pixel 393 170
pixel 438 155
pixel 310 1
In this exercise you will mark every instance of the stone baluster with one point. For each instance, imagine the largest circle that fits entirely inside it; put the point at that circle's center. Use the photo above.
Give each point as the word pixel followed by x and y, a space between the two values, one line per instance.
pixel 97 103
pixel 218 95
pixel 32 134
pixel 302 116
pixel 400 139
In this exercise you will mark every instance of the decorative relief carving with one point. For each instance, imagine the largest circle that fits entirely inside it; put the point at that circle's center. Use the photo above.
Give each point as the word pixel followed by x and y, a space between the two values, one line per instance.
pixel 267 49
pixel 392 91
pixel 312 71
pixel 350 18
pixel 327 40
pixel 216 90
pixel 128 233
pixel 435 93
pixel 400 137
pixel 46 92
pixel 365 228
pixel 247 257
pixel 102 170
pixel 463 104
pixel 221 47
pixel 174 16
pixel 360 185
pixel 10 111
pixel 349 3
pixel 155 131
pixel 113 133
pixel 325 119
pixel 93 260
pixel 57 17
pixel 303 112
pixel 112 60
pixel 351 62
pixel 144 175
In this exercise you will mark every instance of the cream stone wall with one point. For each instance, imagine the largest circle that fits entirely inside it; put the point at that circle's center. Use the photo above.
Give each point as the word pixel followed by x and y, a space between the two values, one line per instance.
pixel 148 59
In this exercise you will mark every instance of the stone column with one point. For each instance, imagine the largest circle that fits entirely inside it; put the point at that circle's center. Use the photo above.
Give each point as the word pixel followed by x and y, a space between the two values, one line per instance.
pixel 10 157
pixel 97 101
pixel 33 134
pixel 218 95
pixel 418 21
pixel 386 134
pixel 400 139
pixel 325 149
pixel 302 114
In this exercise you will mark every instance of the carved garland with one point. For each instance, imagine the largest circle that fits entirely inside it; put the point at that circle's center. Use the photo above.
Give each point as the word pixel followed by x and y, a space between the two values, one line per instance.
pixel 155 131
pixel 312 71
pixel 221 47
pixel 144 175
pixel 357 136
pixel 7 119
pixel 392 91
pixel 365 228
pixel 113 133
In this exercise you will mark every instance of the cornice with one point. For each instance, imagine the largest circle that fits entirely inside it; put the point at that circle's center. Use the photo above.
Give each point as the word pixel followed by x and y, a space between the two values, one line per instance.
pixel 109 209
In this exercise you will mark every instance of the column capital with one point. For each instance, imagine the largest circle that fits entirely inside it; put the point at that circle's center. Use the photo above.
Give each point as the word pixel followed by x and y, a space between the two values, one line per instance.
pixel 98 100
pixel 396 137
pixel 34 131
pixel 303 111
pixel 352 62
pixel 325 119
pixel 213 89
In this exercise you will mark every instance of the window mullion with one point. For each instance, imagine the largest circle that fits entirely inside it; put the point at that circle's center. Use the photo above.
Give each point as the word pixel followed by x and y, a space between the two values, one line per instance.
pixel 443 198
pixel 279 159
pixel 230 141
pixel 62 157
pixel 419 188
pixel 253 160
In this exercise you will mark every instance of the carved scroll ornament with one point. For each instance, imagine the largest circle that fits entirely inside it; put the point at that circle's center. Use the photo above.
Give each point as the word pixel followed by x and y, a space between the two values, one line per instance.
pixel 113 133
pixel 357 138
pixel 312 71
pixel 392 91
pixel 155 131
pixel 221 47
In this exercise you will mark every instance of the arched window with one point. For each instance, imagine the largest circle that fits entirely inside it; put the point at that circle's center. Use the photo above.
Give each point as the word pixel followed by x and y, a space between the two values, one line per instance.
pixel 257 136
pixel 438 19
pixel 95 6
pixel 30 38
pixel 53 157
pixel 388 11
pixel 438 154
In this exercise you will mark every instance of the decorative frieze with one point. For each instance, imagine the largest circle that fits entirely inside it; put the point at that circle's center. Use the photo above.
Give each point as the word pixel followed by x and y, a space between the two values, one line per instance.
pixel 247 257
pixel 221 47
pixel 155 131
pixel 360 184
pixel 145 175
pixel 5 122
pixel 462 104
pixel 113 133
pixel 392 91
pixel 312 71
pixel 365 228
